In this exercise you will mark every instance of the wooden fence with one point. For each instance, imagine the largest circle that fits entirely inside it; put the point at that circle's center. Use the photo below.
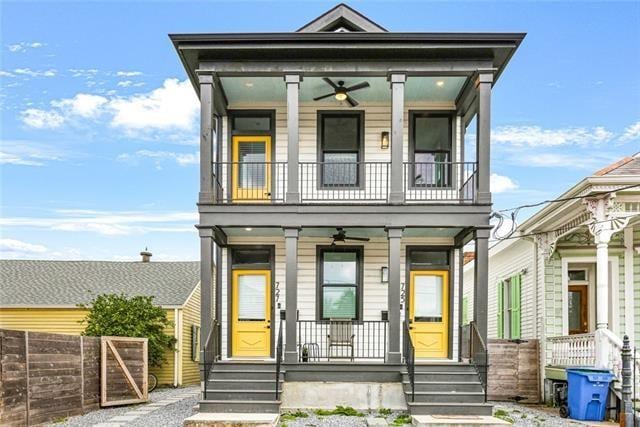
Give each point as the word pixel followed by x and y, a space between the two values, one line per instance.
pixel 46 377
pixel 514 370
pixel 124 371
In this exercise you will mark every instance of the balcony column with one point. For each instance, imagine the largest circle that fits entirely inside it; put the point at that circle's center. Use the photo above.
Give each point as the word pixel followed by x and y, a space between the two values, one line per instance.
pixel 291 293
pixel 481 282
pixel 293 133
pixel 483 136
pixel 394 236
pixel 396 194
pixel 206 288
pixel 206 138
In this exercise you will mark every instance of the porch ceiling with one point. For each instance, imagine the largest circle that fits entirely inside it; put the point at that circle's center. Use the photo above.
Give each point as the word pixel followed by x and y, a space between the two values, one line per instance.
pixel 324 232
pixel 260 89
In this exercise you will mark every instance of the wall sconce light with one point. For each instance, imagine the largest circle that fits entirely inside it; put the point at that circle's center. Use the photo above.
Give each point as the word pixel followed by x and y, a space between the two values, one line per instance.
pixel 384 274
pixel 384 140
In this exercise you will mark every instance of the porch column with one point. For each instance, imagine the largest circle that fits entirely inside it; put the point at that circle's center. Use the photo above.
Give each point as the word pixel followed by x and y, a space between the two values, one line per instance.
pixel 396 193
pixel 206 138
pixel 483 135
pixel 481 282
pixel 629 315
pixel 394 236
pixel 293 90
pixel 206 288
pixel 291 293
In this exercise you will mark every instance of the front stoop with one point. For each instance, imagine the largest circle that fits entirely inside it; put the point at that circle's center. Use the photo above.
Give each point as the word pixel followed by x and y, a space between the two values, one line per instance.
pixel 456 421
pixel 216 419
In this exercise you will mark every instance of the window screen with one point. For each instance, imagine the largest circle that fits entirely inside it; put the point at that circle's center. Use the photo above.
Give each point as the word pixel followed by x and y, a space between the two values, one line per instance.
pixel 340 149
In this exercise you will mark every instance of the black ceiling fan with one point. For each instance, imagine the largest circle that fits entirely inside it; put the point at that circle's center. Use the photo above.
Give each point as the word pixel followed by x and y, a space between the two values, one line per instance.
pixel 342 93
pixel 341 236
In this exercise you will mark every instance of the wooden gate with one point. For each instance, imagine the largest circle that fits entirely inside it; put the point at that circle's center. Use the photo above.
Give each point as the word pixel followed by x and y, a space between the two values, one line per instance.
pixel 513 370
pixel 124 365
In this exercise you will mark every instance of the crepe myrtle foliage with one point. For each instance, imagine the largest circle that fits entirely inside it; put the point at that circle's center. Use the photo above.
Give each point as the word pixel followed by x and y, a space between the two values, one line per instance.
pixel 137 316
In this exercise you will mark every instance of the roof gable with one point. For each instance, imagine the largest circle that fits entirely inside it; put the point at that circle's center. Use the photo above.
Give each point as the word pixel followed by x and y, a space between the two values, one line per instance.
pixel 342 18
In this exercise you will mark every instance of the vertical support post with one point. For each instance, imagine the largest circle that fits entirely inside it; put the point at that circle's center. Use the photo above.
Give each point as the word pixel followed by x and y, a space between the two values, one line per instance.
pixel 293 133
pixel 481 282
pixel 460 298
pixel 394 237
pixel 291 293
pixel 629 310
pixel 206 138
pixel 206 289
pixel 626 418
pixel 483 136
pixel 396 195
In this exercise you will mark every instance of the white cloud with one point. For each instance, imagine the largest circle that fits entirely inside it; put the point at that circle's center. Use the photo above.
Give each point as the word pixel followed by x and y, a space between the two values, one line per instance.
pixel 590 162
pixel 26 153
pixel 130 83
pixel 631 132
pixel 182 159
pixel 87 73
pixel 33 73
pixel 6 74
pixel 83 105
pixel 23 46
pixel 128 73
pixel 535 136
pixel 502 184
pixel 18 246
pixel 42 119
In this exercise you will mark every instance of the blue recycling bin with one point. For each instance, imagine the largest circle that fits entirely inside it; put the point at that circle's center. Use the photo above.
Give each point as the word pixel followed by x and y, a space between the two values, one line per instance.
pixel 588 393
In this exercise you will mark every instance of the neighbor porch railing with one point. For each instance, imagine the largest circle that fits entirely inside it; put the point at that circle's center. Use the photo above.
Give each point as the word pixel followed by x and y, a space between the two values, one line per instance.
pixel 325 340
pixel 572 350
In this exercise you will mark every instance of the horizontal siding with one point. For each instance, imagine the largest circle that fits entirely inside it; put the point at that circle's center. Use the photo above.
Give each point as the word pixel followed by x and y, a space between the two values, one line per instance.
pixel 374 292
pixel 190 317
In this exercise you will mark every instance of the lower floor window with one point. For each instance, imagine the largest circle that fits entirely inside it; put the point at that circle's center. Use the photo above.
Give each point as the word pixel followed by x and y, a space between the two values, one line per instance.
pixel 339 284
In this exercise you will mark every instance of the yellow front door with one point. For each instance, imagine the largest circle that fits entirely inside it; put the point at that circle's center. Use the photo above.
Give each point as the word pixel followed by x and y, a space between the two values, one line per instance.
pixel 429 313
pixel 251 321
pixel 251 168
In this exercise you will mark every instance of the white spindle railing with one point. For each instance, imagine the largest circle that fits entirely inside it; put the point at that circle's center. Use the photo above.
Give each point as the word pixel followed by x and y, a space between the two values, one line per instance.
pixel 572 350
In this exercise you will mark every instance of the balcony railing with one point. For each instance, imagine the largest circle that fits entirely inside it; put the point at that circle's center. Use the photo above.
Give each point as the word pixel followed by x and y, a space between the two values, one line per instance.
pixel 341 339
pixel 344 182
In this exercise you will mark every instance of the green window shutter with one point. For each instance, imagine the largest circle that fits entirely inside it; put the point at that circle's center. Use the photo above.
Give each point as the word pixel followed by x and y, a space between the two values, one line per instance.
pixel 465 310
pixel 515 307
pixel 500 292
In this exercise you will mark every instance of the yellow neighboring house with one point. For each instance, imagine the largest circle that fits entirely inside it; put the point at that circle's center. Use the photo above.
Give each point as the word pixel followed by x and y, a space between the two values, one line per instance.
pixel 43 296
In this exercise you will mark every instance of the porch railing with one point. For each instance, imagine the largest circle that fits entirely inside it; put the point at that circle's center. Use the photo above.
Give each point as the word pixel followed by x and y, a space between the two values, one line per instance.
pixel 479 356
pixel 344 182
pixel 572 350
pixel 246 182
pixel 410 359
pixel 279 346
pixel 440 181
pixel 210 353
pixel 326 340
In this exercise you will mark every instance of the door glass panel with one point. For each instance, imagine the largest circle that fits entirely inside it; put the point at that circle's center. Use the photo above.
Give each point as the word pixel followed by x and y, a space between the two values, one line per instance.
pixel 252 297
pixel 575 311
pixel 578 275
pixel 428 298
pixel 339 302
pixel 252 157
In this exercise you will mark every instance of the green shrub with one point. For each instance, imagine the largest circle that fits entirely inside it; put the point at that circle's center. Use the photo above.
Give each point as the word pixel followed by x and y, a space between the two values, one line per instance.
pixel 340 410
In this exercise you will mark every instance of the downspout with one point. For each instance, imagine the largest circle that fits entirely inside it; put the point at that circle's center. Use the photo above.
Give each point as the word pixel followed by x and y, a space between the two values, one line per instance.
pixel 176 354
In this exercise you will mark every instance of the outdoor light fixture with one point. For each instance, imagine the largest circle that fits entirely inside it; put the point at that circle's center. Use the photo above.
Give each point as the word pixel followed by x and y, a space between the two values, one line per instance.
pixel 440 83
pixel 384 140
pixel 341 93
pixel 248 229
pixel 384 274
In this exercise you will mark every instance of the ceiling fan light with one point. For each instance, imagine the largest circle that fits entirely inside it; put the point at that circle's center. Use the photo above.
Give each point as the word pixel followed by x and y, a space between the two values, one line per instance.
pixel 341 95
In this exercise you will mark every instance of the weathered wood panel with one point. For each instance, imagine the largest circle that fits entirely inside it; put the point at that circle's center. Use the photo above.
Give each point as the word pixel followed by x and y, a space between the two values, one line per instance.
pixel 124 371
pixel 514 370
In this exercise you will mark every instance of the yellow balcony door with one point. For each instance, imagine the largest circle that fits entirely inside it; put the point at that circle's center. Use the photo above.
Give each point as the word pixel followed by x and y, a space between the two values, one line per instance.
pixel 429 313
pixel 251 168
pixel 251 321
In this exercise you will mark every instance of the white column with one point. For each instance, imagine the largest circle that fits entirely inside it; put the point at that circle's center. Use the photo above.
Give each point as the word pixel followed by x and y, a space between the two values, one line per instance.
pixel 293 133
pixel 483 135
pixel 396 194
pixel 206 138
pixel 629 315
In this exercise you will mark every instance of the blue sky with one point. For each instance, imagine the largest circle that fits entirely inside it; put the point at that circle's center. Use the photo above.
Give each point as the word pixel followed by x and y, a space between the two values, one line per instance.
pixel 98 137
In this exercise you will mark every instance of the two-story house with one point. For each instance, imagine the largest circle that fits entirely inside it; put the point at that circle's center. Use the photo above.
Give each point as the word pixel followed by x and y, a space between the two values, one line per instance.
pixel 335 197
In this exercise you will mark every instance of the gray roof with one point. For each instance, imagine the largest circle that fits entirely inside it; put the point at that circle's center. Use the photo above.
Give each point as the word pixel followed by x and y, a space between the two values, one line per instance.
pixel 68 283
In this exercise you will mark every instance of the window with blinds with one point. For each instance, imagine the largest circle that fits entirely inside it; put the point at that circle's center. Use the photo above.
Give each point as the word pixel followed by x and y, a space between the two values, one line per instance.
pixel 252 294
pixel 253 170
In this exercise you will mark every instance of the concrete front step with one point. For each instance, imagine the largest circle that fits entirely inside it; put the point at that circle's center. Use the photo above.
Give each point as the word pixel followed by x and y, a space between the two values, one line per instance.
pixel 456 421
pixel 240 406
pixel 243 374
pixel 334 372
pixel 444 367
pixel 443 376
pixel 425 408
pixel 243 384
pixel 222 394
pixel 460 386
pixel 445 397
pixel 206 419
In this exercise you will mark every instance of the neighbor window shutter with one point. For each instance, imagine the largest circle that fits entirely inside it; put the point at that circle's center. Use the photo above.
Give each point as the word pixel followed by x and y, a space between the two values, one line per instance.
pixel 515 307
pixel 500 292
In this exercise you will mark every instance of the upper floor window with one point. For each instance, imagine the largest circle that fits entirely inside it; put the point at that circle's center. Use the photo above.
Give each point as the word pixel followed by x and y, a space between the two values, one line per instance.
pixel 430 145
pixel 340 148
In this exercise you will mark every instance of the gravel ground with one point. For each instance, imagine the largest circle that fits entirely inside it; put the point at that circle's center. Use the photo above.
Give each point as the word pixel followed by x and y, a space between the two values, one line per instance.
pixel 170 415
pixel 534 416
pixel 335 420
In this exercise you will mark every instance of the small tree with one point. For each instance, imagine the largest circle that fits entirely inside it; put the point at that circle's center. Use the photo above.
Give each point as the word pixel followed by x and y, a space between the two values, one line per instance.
pixel 117 315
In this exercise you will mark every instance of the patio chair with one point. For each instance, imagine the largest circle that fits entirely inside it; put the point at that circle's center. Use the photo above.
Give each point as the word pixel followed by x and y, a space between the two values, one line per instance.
pixel 340 335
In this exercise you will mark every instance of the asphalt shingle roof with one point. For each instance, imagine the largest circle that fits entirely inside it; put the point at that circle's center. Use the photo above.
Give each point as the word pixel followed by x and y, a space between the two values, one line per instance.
pixel 67 283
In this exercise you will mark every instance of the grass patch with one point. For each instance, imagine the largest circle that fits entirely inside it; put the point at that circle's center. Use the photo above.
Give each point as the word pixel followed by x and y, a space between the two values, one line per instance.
pixel 347 411
pixel 401 420
pixel 290 416
pixel 503 415
pixel 59 420
pixel 384 412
